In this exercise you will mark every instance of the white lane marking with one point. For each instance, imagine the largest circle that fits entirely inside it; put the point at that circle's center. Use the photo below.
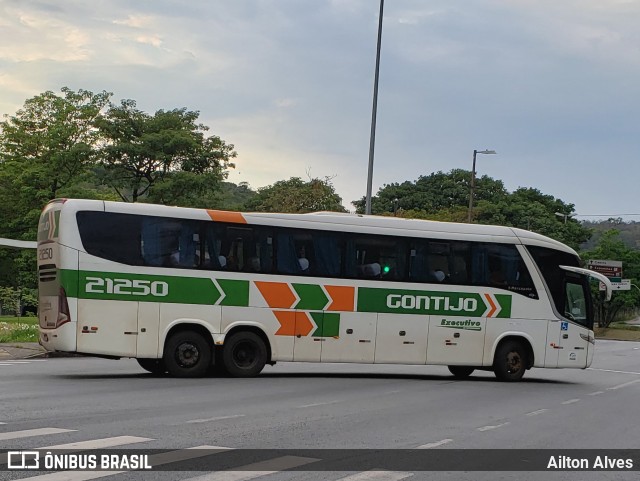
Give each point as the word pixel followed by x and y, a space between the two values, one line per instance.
pixel 10 361
pixel 435 445
pixel 319 404
pixel 255 470
pixel 620 386
pixel 155 460
pixel 100 443
pixel 489 428
pixel 27 433
pixel 6 364
pixel 535 413
pixel 571 401
pixel 595 393
pixel 91 444
pixel 219 418
pixel 3 423
pixel 377 476
pixel 611 370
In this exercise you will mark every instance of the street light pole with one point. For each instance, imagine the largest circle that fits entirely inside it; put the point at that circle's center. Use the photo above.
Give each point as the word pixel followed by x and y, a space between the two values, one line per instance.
pixel 560 214
pixel 372 141
pixel 473 181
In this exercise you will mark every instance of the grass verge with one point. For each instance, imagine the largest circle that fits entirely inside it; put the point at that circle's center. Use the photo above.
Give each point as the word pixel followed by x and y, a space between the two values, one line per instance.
pixel 18 329
pixel 618 331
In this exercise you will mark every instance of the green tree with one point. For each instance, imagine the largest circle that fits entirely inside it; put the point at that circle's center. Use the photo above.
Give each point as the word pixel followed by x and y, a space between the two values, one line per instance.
pixel 297 196
pixel 530 209
pixel 445 197
pixel 611 247
pixel 168 150
pixel 434 194
pixel 44 148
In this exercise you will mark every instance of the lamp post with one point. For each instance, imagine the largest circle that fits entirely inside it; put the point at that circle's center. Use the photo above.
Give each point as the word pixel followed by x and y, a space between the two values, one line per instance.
pixel 560 214
pixel 372 140
pixel 473 180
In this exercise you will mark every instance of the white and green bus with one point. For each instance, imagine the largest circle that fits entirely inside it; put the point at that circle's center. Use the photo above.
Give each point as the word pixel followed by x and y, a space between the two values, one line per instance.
pixel 190 291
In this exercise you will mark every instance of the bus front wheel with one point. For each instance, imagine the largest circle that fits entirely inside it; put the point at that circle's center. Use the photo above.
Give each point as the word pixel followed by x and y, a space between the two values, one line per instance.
pixel 187 354
pixel 244 354
pixel 154 366
pixel 461 372
pixel 510 361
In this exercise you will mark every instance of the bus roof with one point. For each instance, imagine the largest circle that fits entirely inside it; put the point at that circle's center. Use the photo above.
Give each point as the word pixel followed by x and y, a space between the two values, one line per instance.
pixel 336 221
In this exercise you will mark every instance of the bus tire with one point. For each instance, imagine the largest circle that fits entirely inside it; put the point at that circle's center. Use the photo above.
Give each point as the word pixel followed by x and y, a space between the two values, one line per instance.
pixel 154 366
pixel 244 354
pixel 510 361
pixel 461 372
pixel 187 354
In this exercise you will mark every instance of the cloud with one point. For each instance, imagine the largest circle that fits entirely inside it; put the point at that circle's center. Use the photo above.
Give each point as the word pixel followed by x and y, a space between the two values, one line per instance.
pixel 135 21
pixel 38 36
pixel 290 82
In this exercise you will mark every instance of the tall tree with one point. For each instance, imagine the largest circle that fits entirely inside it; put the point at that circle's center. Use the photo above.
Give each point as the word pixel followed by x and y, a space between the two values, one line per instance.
pixel 445 197
pixel 44 148
pixel 297 196
pixel 434 193
pixel 169 147
pixel 530 209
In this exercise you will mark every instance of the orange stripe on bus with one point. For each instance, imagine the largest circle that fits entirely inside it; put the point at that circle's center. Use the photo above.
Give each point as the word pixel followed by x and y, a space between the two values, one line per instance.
pixel 304 326
pixel 277 294
pixel 494 308
pixel 287 320
pixel 225 216
pixel 342 298
pixel 293 323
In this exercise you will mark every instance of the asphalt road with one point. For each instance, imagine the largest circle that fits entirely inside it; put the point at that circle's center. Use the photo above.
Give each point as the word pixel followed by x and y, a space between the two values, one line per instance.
pixel 108 404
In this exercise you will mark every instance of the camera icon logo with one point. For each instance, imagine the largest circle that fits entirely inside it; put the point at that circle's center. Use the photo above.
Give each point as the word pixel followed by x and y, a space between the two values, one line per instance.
pixel 23 460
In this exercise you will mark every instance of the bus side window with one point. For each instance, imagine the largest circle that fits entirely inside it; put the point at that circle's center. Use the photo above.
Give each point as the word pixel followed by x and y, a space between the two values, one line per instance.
pixel 502 266
pixel 160 242
pixel 377 257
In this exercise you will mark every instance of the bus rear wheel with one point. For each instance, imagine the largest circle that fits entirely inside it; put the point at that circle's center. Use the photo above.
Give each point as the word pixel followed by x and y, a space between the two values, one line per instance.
pixel 154 366
pixel 244 354
pixel 461 372
pixel 187 354
pixel 510 361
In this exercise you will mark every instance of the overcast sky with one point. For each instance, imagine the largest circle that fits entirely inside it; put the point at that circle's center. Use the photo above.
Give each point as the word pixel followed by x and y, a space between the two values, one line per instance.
pixel 552 85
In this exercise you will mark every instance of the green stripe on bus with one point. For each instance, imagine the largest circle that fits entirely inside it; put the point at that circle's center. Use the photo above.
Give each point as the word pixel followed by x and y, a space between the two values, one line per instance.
pixel 400 301
pixel 505 303
pixel 328 324
pixel 69 281
pixel 312 297
pixel 150 288
pixel 236 293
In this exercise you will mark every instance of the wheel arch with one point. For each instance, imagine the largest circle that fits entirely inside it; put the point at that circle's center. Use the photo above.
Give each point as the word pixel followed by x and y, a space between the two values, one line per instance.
pixel 256 329
pixel 181 325
pixel 522 338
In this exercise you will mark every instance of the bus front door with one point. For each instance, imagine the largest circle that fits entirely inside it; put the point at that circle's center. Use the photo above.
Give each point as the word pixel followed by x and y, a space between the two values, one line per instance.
pixel 573 345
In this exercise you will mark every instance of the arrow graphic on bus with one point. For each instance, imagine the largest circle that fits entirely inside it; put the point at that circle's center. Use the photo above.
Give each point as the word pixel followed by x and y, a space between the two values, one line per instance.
pixel 307 297
pixel 299 323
